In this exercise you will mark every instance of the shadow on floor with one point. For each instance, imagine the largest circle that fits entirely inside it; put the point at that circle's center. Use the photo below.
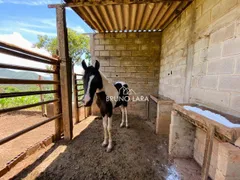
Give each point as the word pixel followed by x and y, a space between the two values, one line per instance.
pixel 138 154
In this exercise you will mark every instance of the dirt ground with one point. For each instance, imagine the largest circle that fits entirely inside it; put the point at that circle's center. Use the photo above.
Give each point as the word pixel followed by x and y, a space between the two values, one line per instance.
pixel 138 154
pixel 13 122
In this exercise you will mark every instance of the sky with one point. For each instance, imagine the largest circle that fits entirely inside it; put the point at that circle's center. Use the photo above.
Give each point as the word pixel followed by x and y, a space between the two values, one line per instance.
pixel 23 20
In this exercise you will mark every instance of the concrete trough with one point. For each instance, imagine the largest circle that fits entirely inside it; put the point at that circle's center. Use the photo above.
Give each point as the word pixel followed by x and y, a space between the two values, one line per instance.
pixel 190 137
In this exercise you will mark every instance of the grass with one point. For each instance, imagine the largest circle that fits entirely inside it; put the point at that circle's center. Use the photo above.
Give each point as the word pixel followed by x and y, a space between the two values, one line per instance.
pixel 22 100
pixel 25 100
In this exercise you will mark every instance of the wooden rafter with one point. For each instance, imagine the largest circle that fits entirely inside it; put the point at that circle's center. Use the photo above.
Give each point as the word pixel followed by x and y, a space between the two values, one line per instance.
pixel 112 2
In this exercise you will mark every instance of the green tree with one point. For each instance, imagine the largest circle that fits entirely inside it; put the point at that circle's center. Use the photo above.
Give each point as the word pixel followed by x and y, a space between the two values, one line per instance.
pixel 79 46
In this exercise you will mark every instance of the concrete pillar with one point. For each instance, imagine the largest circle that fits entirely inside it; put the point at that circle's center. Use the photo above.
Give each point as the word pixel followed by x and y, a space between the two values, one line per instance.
pixel 228 165
pixel 181 138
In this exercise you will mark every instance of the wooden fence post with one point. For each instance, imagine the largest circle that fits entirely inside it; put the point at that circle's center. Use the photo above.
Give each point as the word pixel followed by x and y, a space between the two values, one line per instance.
pixel 208 151
pixel 75 92
pixel 65 73
pixel 57 105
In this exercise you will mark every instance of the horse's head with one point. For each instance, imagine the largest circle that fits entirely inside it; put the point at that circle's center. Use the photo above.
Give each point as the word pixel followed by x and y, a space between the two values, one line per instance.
pixel 92 81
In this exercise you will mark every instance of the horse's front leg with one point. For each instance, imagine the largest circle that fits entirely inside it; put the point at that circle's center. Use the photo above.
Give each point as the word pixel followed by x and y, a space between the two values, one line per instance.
pixel 105 141
pixel 109 128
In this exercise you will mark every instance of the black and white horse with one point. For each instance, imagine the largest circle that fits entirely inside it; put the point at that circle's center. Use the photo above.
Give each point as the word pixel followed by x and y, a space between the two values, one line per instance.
pixel 109 96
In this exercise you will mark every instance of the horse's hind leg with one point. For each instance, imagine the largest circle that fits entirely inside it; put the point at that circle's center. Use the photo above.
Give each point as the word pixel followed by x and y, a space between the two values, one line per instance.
pixel 122 110
pixel 125 109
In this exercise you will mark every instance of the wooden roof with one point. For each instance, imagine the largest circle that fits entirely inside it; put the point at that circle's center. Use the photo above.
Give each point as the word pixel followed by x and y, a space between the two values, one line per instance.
pixel 127 15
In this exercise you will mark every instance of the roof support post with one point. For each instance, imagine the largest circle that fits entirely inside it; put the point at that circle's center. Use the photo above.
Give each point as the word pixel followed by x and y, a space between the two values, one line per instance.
pixel 65 73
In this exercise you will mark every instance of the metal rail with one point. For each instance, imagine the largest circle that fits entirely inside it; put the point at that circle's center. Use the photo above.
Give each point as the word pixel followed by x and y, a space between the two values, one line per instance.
pixel 26 106
pixel 7 66
pixel 24 81
pixel 78 103
pixel 17 94
pixel 10 49
pixel 19 133
pixel 19 52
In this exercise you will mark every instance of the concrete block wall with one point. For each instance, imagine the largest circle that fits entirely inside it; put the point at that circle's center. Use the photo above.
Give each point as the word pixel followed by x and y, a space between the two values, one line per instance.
pixel 133 58
pixel 200 59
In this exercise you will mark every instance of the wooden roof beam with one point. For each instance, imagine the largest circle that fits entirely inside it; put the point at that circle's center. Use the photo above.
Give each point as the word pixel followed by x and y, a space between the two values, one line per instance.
pixel 111 2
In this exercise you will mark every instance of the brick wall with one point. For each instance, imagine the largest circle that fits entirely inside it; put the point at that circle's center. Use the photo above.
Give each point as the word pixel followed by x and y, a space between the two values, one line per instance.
pixel 133 58
pixel 200 60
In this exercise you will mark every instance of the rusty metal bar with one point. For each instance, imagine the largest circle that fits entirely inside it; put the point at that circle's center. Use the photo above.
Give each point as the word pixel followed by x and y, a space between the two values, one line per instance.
pixel 19 133
pixel 16 48
pixel 29 93
pixel 7 66
pixel 20 54
pixel 75 90
pixel 24 81
pixel 79 74
pixel 26 106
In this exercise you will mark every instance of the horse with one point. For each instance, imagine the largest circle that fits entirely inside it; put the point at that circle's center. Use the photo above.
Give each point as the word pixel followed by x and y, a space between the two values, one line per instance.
pixel 109 96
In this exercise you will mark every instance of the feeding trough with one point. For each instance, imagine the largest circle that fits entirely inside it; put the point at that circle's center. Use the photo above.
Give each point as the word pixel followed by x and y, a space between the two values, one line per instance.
pixel 219 155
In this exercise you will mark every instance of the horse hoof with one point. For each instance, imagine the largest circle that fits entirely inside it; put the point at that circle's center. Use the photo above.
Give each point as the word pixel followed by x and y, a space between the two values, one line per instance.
pixel 109 149
pixel 127 126
pixel 104 144
pixel 121 125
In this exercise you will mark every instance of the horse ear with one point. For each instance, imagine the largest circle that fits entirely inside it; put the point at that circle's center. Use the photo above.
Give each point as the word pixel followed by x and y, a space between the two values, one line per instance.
pixel 97 65
pixel 84 65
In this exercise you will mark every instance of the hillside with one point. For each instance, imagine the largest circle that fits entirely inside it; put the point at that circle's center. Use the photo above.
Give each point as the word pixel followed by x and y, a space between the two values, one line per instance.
pixel 5 73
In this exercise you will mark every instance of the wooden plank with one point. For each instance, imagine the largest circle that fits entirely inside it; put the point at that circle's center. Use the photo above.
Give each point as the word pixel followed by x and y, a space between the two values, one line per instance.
pixel 168 14
pixel 208 152
pixel 8 66
pixel 57 106
pixel 153 15
pixel 65 73
pixel 19 133
pixel 24 81
pixel 154 98
pixel 111 2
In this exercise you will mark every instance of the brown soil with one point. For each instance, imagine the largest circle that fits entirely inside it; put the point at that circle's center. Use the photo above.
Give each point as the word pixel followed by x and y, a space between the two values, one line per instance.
pixel 11 123
pixel 138 154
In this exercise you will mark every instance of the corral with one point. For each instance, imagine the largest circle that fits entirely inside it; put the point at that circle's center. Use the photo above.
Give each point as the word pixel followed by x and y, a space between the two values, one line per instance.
pixel 176 53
